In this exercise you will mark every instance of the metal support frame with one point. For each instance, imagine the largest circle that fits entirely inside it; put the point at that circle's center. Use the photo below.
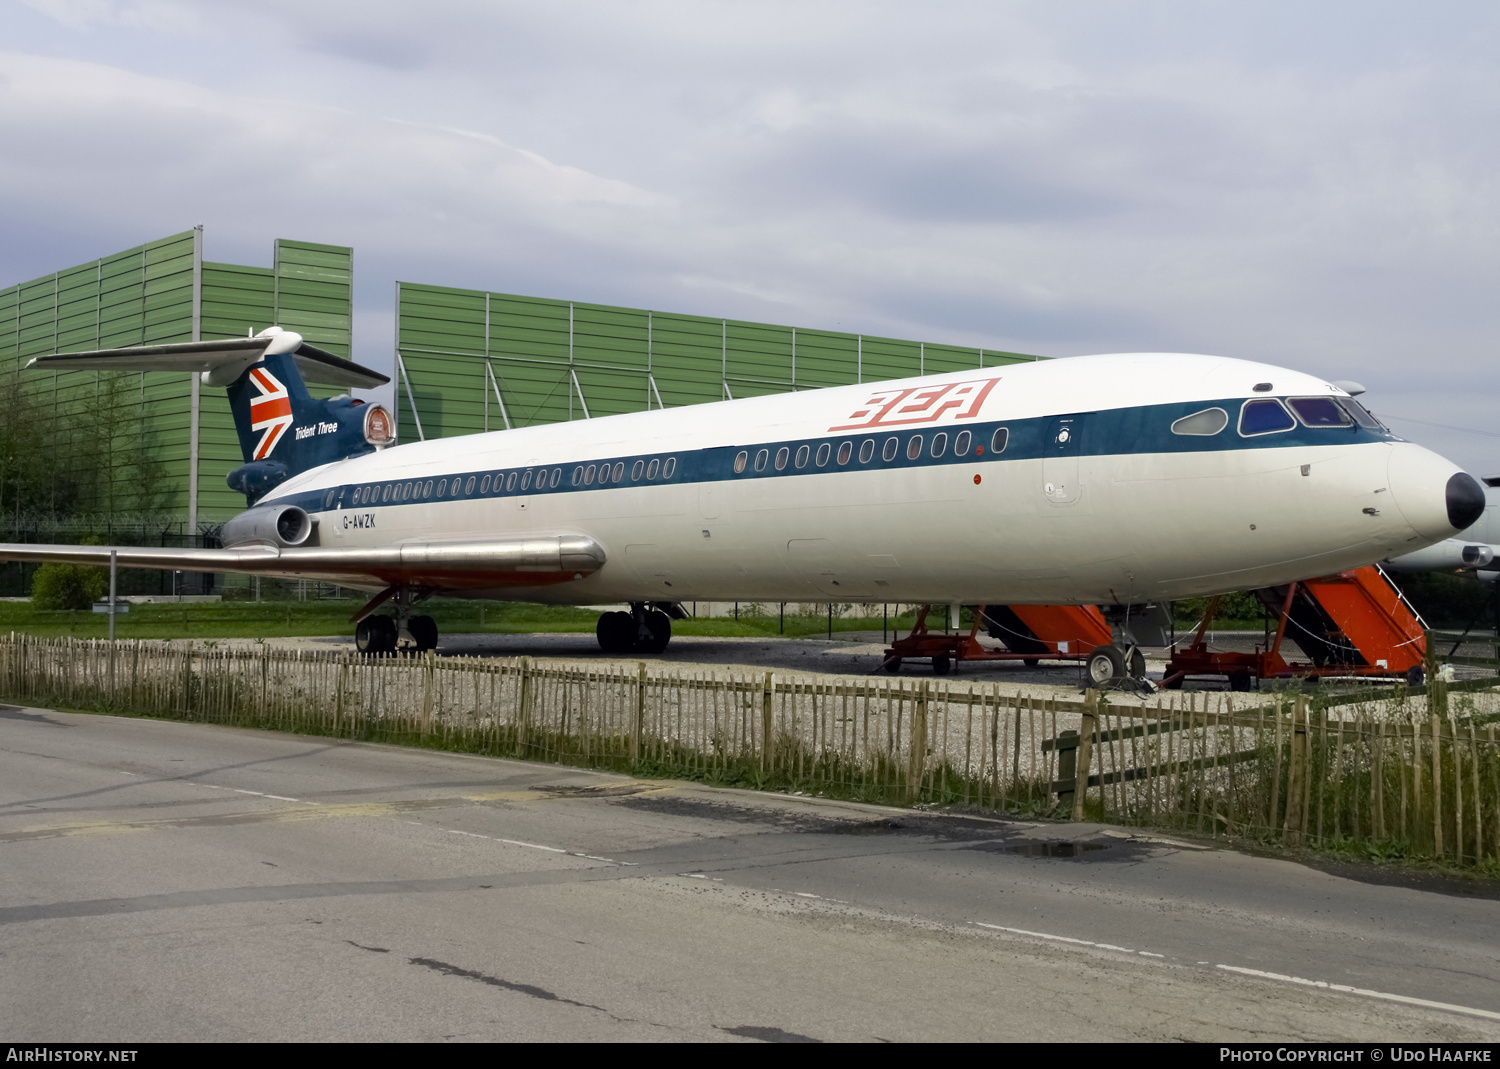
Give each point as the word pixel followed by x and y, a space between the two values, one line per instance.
pixel 499 400
pixel 410 397
pixel 194 397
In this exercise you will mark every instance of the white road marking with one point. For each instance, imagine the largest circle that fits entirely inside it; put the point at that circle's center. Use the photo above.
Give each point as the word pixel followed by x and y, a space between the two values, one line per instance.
pixel 804 894
pixel 533 846
pixel 1407 999
pixel 1057 938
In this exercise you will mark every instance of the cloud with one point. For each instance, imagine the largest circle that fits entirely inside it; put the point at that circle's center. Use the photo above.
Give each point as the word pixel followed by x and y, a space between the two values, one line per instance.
pixel 1311 188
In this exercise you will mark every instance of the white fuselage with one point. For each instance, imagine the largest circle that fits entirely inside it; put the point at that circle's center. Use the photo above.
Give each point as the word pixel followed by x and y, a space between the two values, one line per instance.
pixel 1093 499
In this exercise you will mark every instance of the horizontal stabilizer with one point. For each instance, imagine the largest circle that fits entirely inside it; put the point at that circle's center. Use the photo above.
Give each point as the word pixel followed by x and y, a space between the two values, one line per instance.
pixel 223 361
pixel 474 565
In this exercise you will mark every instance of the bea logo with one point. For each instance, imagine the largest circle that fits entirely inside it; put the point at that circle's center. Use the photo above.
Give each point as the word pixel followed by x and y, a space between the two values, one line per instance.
pixel 919 404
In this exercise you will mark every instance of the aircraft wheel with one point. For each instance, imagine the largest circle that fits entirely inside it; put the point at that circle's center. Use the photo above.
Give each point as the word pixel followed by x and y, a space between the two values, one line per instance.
pixel 893 665
pixel 425 630
pixel 615 632
pixel 941 666
pixel 660 626
pixel 1137 664
pixel 375 635
pixel 1105 665
pixel 1415 677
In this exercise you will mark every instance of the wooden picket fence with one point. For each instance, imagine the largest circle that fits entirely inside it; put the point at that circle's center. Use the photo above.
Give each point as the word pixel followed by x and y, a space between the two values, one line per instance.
pixel 1403 774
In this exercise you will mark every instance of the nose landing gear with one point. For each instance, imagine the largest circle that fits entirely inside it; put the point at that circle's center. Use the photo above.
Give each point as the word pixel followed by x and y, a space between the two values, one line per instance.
pixel 644 629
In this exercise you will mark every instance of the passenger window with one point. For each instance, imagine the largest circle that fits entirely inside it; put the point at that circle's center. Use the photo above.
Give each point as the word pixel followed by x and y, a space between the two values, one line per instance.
pixel 469 486
pixel 1361 414
pixel 803 452
pixel 939 444
pixel 824 451
pixel 999 439
pixel 1264 416
pixel 442 486
pixel 1320 412
pixel 740 459
pixel 866 450
pixel 914 447
pixel 846 450
pixel 526 481
pixel 510 482
pixel 781 457
pixel 1209 421
pixel 651 468
pixel 961 444
pixel 556 478
pixel 888 454
pixel 619 472
pixel 760 460
pixel 406 492
pixel 427 490
pixel 588 476
pixel 578 475
pixel 669 468
pixel 386 496
pixel 484 485
pixel 328 500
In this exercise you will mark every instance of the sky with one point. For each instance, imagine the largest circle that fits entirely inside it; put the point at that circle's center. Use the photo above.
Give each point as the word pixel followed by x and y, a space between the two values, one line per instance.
pixel 1311 185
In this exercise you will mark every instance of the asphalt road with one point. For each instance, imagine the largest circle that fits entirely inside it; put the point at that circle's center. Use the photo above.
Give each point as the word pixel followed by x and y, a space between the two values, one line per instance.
pixel 164 881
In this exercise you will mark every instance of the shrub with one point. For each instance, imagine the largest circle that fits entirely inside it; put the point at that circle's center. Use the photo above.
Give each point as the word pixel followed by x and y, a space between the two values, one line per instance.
pixel 68 586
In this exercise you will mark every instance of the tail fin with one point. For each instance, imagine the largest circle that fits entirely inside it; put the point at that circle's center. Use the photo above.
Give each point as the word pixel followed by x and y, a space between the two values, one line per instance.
pixel 283 429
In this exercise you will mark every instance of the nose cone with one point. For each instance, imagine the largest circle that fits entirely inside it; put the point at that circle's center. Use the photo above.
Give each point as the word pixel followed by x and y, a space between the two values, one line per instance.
pixel 1465 500
pixel 1434 496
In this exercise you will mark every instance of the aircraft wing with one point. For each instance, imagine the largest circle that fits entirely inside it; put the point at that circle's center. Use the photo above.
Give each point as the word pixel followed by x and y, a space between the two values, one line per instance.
pixel 473 565
pixel 225 359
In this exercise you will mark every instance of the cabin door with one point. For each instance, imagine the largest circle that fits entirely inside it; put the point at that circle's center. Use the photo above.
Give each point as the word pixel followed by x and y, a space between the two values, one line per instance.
pixel 1060 453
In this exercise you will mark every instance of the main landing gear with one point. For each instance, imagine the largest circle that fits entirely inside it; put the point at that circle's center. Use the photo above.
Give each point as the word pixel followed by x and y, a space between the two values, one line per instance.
pixel 401 631
pixel 646 628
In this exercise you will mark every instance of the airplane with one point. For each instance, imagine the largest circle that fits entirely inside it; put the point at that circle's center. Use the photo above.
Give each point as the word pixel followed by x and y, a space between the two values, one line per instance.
pixel 1474 549
pixel 1119 480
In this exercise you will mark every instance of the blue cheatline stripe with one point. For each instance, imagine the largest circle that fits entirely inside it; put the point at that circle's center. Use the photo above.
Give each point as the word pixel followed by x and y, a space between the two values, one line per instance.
pixel 1119 431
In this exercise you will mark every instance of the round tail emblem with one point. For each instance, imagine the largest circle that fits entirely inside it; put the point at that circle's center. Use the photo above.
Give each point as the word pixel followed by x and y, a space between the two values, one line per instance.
pixel 380 429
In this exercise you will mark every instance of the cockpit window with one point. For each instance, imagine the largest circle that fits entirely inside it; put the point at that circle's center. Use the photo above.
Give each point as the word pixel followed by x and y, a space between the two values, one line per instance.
pixel 1209 421
pixel 1361 414
pixel 1264 417
pixel 1320 412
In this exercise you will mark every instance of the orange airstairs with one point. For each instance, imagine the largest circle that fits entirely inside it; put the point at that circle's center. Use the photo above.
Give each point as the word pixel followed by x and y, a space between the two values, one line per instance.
pixel 1355 623
pixel 1031 633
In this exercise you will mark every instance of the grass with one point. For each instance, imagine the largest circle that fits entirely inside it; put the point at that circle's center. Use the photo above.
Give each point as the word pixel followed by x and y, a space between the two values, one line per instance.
pixel 273 619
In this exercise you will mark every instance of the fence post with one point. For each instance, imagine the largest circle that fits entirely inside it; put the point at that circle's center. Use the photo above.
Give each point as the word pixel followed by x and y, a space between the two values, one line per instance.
pixel 638 722
pixel 1291 825
pixel 1437 781
pixel 427 671
pixel 338 702
pixel 916 761
pixel 523 703
pixel 767 698
pixel 1084 758
pixel 1066 745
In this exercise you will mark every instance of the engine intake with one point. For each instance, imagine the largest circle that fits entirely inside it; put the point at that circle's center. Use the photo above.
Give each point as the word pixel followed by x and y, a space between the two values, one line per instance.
pixel 278 525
